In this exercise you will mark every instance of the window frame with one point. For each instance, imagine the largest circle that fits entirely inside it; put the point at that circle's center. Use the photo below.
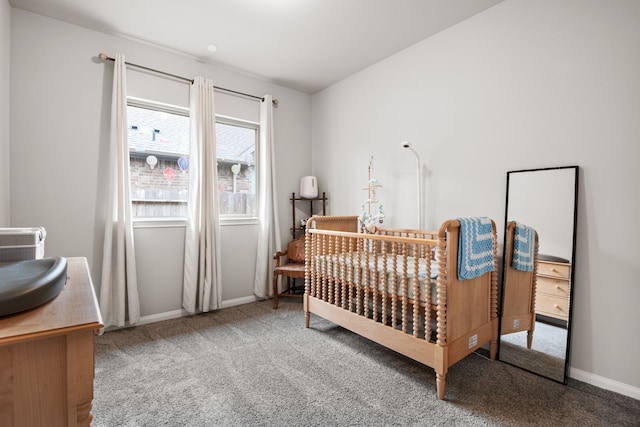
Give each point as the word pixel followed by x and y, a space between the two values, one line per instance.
pixel 225 219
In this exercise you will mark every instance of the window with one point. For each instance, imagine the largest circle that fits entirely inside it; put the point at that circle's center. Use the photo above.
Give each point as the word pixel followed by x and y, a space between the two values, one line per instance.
pixel 158 137
pixel 236 144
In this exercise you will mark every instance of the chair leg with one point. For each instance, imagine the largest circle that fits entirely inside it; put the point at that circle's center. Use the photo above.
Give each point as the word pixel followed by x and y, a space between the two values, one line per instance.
pixel 275 290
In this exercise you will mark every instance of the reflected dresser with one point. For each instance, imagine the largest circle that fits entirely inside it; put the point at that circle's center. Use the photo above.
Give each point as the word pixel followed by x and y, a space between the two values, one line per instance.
pixel 553 288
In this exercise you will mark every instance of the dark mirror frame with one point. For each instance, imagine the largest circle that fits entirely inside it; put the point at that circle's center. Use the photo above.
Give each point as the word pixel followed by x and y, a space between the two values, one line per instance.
pixel 572 273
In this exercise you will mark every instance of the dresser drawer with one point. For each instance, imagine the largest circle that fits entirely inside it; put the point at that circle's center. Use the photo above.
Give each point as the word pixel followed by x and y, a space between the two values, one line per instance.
pixel 554 269
pixel 552 306
pixel 552 287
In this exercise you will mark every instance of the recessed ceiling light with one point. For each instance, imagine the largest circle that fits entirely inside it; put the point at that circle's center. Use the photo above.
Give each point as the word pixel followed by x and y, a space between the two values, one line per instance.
pixel 212 48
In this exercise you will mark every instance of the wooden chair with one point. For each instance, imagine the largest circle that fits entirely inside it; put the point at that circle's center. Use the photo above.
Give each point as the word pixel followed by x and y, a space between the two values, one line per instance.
pixel 291 268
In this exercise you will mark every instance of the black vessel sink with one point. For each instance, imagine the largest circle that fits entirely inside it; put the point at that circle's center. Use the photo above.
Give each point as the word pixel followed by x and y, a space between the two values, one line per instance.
pixel 31 283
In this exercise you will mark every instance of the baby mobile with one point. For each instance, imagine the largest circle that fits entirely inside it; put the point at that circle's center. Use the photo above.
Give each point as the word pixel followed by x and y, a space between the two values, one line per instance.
pixel 368 220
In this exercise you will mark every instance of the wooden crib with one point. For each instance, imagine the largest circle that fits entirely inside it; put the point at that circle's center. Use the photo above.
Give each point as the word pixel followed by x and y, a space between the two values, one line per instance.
pixel 519 291
pixel 400 289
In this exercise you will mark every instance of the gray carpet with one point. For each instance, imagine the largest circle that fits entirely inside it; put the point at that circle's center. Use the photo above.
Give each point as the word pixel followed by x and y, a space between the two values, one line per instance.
pixel 251 365
pixel 546 356
pixel 547 339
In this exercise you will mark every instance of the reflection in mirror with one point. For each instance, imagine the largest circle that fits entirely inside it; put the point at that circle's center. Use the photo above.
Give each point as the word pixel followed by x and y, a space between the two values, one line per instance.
pixel 538 265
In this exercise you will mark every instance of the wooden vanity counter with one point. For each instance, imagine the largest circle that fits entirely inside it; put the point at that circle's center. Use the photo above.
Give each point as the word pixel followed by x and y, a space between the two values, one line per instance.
pixel 47 357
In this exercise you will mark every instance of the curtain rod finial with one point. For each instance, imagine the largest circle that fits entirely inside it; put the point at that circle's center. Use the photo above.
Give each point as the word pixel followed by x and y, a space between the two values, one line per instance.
pixel 274 102
pixel 103 56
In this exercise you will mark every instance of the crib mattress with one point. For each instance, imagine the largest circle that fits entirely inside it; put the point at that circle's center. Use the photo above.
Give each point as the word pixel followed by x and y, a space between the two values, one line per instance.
pixel 343 267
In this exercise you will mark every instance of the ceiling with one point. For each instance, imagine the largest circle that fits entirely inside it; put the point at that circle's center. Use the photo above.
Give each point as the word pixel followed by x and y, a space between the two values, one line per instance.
pixel 302 44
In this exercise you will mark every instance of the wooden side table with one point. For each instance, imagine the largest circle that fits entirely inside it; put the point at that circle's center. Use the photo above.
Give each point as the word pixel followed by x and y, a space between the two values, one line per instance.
pixel 47 357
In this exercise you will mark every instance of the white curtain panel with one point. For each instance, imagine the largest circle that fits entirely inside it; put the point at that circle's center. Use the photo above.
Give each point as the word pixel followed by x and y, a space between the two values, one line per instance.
pixel 119 285
pixel 269 232
pixel 202 290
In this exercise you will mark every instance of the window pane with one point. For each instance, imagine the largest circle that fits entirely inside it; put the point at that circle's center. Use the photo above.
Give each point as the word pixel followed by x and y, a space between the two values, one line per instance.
pixel 236 151
pixel 159 152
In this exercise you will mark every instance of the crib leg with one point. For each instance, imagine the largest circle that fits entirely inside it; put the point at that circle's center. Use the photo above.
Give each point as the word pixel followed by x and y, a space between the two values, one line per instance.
pixel 305 307
pixel 493 344
pixel 529 339
pixel 440 384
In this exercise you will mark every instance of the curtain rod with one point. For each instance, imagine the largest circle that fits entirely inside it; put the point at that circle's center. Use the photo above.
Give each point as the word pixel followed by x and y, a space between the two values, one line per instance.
pixel 105 57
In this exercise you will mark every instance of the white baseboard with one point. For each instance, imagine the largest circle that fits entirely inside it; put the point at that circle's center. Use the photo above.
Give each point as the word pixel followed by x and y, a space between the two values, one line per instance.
pixel 605 383
pixel 159 317
pixel 238 301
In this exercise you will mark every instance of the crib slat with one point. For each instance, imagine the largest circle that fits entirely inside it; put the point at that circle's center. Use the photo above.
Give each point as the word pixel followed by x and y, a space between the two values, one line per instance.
pixel 350 275
pixel 427 296
pixel 367 276
pixel 358 276
pixel 394 282
pixel 324 268
pixel 325 272
pixel 405 287
pixel 416 289
pixel 334 269
pixel 311 269
pixel 384 281
pixel 441 315
pixel 341 266
pixel 375 280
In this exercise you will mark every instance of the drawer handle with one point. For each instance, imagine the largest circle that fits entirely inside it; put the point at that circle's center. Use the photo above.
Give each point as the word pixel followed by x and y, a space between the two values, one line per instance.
pixel 558 287
pixel 557 307
pixel 555 271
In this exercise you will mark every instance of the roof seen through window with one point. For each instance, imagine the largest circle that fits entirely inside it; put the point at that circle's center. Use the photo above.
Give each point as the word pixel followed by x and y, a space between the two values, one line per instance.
pixel 158 132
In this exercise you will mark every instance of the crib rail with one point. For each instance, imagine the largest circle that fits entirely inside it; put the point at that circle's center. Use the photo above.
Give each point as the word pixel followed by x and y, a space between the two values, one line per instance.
pixel 385 277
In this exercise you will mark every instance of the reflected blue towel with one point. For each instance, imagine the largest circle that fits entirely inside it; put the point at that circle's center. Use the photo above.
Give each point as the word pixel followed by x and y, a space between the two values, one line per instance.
pixel 524 240
pixel 475 250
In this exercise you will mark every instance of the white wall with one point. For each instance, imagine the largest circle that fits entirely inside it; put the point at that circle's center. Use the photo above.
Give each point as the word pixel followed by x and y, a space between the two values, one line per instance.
pixel 60 107
pixel 525 84
pixel 5 45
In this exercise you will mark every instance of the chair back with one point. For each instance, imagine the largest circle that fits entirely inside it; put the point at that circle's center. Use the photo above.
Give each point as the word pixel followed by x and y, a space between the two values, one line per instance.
pixel 295 250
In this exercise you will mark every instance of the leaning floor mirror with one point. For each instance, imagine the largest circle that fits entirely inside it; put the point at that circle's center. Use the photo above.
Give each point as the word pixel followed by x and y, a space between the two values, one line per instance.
pixel 537 274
